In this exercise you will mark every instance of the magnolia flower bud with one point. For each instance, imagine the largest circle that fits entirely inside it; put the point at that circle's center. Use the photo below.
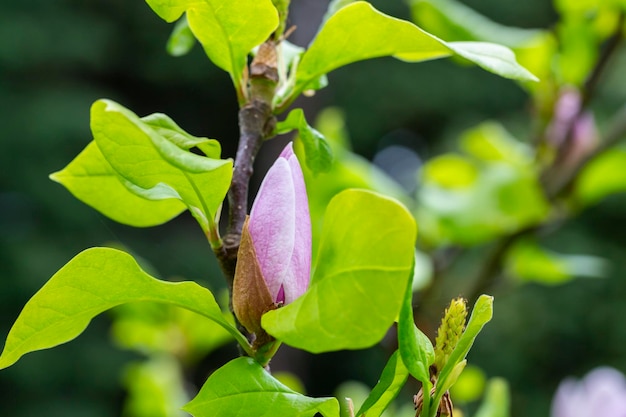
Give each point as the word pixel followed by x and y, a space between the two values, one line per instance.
pixel 602 392
pixel 274 258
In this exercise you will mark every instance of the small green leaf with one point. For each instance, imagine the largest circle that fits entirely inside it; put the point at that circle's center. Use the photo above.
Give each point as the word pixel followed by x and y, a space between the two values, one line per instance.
pixel 94 281
pixel 228 30
pixel 181 41
pixel 92 180
pixel 386 390
pixel 243 387
pixel 358 31
pixel 494 58
pixel 416 349
pixel 152 155
pixel 363 266
pixel 481 314
pixel 317 151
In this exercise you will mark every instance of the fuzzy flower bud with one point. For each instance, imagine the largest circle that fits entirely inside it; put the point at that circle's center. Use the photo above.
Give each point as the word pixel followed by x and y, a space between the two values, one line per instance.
pixel 449 332
pixel 274 258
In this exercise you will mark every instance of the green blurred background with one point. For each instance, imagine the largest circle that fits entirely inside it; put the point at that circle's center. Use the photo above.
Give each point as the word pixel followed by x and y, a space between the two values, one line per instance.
pixel 56 58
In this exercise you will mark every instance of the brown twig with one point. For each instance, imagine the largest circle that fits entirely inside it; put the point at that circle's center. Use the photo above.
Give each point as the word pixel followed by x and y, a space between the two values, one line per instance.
pixel 256 122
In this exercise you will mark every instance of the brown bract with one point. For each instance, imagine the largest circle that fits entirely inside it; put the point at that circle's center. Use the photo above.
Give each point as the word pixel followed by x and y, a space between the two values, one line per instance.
pixel 251 297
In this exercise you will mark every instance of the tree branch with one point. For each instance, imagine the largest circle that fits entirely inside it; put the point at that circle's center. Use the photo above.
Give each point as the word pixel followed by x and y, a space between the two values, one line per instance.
pixel 256 122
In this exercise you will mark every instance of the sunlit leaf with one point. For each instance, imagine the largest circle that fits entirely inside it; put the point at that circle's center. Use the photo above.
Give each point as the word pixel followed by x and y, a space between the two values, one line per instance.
pixel 91 179
pixel 358 31
pixel 227 30
pixel 363 266
pixel 389 385
pixel 94 281
pixel 152 157
pixel 242 384
pixel 493 58
pixel 454 21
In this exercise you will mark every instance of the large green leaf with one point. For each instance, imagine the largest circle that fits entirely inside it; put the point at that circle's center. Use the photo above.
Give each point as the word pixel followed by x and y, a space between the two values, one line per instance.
pixel 363 265
pixel 389 385
pixel 243 388
pixel 91 179
pixel 94 281
pixel 228 30
pixel 358 31
pixel 152 156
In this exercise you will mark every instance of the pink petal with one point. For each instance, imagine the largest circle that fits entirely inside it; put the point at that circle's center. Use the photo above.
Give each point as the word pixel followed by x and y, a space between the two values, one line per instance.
pixel 272 224
pixel 298 277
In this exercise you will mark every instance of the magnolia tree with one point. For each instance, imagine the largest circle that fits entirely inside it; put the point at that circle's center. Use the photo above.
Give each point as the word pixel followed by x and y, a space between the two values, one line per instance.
pixel 314 270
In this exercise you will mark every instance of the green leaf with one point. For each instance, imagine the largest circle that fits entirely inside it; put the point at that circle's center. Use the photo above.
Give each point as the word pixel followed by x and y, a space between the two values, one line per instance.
pixel 357 32
pixel 470 385
pixel 601 177
pixel 416 349
pixel 481 315
pixel 228 30
pixel 363 266
pixel 468 202
pixel 243 387
pixel 530 262
pixel 491 142
pixel 154 387
pixel 166 127
pixel 151 155
pixel 92 180
pixel 496 402
pixel 454 21
pixel 494 58
pixel 316 149
pixel 181 41
pixel 94 281
pixel 391 381
pixel 333 7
